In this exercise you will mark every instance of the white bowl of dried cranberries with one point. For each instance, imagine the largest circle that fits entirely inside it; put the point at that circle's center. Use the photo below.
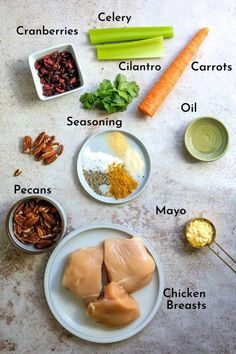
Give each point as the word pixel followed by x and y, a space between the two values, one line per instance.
pixel 36 224
pixel 56 71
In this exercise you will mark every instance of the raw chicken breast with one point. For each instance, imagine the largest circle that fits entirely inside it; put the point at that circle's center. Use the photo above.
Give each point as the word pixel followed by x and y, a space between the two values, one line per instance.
pixel 116 309
pixel 83 273
pixel 128 263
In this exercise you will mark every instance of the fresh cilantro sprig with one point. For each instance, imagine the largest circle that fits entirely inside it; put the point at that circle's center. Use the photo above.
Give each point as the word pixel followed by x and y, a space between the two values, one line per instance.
pixel 111 97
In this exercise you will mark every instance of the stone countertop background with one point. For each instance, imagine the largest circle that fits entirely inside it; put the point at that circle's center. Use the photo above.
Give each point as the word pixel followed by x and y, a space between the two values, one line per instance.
pixel 207 189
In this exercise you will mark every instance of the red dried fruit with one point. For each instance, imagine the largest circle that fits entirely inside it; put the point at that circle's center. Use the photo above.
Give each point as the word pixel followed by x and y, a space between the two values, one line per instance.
pixel 59 90
pixel 73 80
pixel 58 73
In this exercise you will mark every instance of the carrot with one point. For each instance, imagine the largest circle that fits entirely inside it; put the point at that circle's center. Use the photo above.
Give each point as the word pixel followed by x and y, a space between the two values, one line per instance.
pixel 166 83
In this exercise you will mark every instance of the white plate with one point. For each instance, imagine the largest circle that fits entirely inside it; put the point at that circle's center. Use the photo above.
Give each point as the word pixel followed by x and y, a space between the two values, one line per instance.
pixel 71 312
pixel 98 142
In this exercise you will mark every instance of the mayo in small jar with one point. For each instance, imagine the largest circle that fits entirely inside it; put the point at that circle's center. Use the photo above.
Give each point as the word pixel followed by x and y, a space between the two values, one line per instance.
pixel 200 232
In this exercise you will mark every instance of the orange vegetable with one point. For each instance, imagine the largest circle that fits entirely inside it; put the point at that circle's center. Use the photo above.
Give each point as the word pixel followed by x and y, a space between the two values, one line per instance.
pixel 165 84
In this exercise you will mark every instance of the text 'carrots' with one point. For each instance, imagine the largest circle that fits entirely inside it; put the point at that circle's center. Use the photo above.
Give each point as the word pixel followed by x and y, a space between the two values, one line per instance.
pixel 165 84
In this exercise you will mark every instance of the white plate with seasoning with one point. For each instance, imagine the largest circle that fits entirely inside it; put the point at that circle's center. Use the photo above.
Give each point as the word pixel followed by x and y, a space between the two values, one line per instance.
pixel 107 155
pixel 70 312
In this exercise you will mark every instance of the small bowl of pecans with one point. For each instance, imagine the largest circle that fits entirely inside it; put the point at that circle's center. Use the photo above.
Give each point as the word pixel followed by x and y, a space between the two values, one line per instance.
pixel 56 71
pixel 36 224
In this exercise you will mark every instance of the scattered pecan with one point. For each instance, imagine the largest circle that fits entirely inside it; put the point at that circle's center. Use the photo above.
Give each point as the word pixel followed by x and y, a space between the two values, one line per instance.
pixel 48 147
pixel 37 222
pixel 50 160
pixel 39 140
pixel 27 144
pixel 38 157
pixel 17 172
pixel 60 150
pixel 38 149
pixel 48 154
pixel 44 148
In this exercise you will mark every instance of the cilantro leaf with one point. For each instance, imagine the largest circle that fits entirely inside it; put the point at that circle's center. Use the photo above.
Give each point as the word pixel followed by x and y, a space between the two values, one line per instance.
pixel 87 99
pixel 111 97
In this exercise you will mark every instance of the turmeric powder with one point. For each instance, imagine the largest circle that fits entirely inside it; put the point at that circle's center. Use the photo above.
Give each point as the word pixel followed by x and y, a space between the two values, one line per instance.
pixel 121 183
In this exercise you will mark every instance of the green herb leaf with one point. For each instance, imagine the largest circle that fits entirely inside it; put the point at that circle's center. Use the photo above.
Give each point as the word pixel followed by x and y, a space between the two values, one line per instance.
pixel 133 89
pixel 111 98
pixel 87 99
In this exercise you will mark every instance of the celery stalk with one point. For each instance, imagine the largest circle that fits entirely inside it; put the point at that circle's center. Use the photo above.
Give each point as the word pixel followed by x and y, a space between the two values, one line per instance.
pixel 106 35
pixel 147 48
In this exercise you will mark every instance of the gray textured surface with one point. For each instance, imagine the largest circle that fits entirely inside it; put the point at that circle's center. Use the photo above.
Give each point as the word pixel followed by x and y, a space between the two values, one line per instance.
pixel 26 325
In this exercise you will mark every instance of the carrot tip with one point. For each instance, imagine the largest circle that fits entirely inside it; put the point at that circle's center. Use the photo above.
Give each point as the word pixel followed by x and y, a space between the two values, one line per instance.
pixel 205 29
pixel 145 111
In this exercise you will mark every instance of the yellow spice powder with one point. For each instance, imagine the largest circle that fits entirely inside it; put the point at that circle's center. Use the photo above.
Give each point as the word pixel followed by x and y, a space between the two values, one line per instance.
pixel 200 232
pixel 131 157
pixel 121 183
pixel 118 143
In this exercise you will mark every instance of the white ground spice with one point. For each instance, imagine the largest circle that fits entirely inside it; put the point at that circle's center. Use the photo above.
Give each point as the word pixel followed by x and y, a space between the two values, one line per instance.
pixel 98 160
pixel 133 162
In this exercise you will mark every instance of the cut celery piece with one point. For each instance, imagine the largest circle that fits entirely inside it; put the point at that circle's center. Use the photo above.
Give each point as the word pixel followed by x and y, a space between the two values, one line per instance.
pixel 106 35
pixel 147 48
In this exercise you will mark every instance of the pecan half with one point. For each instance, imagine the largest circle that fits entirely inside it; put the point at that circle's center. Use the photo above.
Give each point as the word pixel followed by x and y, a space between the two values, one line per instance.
pixel 50 160
pixel 48 154
pixel 32 220
pixel 32 239
pixel 19 219
pixel 19 208
pixel 38 149
pixel 38 157
pixel 41 231
pixel 49 218
pixel 17 229
pixel 39 140
pixel 17 173
pixel 27 144
pixel 60 150
pixel 47 147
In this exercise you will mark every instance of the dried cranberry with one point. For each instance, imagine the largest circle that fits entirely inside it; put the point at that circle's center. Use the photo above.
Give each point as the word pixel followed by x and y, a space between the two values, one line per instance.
pixel 73 80
pixel 59 90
